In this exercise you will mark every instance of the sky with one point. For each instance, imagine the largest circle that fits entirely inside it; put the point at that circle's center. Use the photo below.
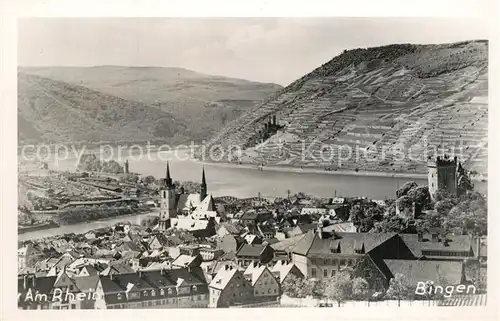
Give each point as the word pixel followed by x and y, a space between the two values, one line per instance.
pixel 277 50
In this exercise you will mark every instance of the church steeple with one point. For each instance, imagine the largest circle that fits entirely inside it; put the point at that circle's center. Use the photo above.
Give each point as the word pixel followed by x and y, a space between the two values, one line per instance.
pixel 203 187
pixel 168 179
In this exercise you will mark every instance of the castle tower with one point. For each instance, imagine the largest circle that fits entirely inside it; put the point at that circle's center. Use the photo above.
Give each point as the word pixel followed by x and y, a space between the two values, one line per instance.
pixel 167 203
pixel 203 188
pixel 442 175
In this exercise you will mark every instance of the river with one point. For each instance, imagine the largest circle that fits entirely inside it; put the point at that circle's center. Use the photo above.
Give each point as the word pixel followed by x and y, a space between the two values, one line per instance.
pixel 239 182
pixel 81 228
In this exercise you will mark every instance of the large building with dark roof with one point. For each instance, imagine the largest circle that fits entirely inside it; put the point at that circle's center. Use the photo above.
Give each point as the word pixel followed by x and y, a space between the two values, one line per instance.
pixel 321 254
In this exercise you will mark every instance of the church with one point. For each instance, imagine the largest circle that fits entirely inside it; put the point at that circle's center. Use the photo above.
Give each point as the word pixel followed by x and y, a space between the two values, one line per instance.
pixel 193 212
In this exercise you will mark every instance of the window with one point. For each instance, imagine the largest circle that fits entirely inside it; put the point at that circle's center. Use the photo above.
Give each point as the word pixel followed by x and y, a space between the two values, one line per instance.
pixel 335 262
pixel 169 291
pixel 274 290
pixel 342 262
pixel 196 289
pixel 162 292
pixel 150 303
pixel 153 293
pixel 268 290
pixel 145 293
pixel 313 272
pixel 119 296
pixel 325 273
pixel 325 261
pixel 313 261
pixel 333 273
pixel 368 273
pixel 73 306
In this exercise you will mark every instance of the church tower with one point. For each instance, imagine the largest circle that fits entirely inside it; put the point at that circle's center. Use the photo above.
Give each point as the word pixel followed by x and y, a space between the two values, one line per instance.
pixel 203 188
pixel 167 203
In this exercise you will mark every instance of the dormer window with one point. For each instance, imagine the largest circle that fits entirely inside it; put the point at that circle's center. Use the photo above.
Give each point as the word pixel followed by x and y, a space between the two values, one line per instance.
pixel 169 291
pixel 195 288
pixel 359 247
pixel 119 296
pixel 153 293
pixel 162 292
pixel 145 293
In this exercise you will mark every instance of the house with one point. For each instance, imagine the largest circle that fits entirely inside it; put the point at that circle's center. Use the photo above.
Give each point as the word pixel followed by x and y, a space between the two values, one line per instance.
pixel 177 288
pixel 265 232
pixel 284 269
pixel 90 235
pixel 301 229
pixel 25 255
pixel 437 246
pixel 186 261
pixel 209 254
pixel 198 227
pixel 266 288
pixel 49 292
pixel 230 243
pixel 255 253
pixel 321 255
pixel 215 266
pixel 252 239
pixel 378 272
pixel 115 268
pixel 229 288
pixel 159 241
pixel 228 228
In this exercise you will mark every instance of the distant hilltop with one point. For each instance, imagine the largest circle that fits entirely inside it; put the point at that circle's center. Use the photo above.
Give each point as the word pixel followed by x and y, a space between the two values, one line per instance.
pixel 161 104
pixel 379 103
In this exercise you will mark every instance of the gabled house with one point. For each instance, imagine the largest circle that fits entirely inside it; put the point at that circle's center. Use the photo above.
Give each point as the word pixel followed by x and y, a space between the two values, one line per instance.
pixel 378 272
pixel 321 255
pixel 229 288
pixel 284 269
pixel 266 287
pixel 258 253
pixel 187 261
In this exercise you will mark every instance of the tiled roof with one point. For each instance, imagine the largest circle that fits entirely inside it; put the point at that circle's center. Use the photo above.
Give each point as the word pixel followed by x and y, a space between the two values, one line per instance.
pixel 288 244
pixel 189 224
pixel 456 243
pixel 208 204
pixel 231 228
pixel 255 271
pixel 43 284
pixel 85 283
pixel 223 277
pixel 283 268
pixel 313 244
pixel 251 250
pixel 184 260
pixel 423 270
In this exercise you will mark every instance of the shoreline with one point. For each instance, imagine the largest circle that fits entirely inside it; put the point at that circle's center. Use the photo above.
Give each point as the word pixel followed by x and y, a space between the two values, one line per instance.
pixel 312 170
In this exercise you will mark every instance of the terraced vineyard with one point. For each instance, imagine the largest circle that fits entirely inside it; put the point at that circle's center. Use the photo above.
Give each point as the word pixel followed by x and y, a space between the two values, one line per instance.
pixel 377 109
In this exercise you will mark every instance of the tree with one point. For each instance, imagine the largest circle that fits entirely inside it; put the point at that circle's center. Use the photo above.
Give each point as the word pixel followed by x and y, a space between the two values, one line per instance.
pixel 399 288
pixel 420 195
pixel 150 221
pixel 444 206
pixel 340 288
pixel 296 287
pixel 360 289
pixel 405 189
pixel 149 179
pixel 392 224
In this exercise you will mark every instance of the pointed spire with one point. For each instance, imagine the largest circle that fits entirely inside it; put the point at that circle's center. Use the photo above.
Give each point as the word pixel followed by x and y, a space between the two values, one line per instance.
pixel 168 179
pixel 203 180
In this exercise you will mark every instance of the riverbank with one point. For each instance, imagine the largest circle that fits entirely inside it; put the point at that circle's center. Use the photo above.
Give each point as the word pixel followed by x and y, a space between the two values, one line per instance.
pixel 39 227
pixel 314 170
pixel 83 227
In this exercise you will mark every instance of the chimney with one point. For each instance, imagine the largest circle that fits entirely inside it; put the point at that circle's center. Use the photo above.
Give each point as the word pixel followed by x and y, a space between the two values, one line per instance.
pixel 33 279
pixel 111 276
pixel 140 274
pixel 420 236
pixel 25 281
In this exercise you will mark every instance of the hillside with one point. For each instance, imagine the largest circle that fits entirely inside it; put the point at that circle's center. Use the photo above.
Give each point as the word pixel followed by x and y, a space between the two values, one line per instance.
pixel 53 111
pixel 205 103
pixel 376 103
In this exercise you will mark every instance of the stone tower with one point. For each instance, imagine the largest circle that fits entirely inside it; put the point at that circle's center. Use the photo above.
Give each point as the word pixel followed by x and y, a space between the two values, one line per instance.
pixel 167 203
pixel 203 187
pixel 442 175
